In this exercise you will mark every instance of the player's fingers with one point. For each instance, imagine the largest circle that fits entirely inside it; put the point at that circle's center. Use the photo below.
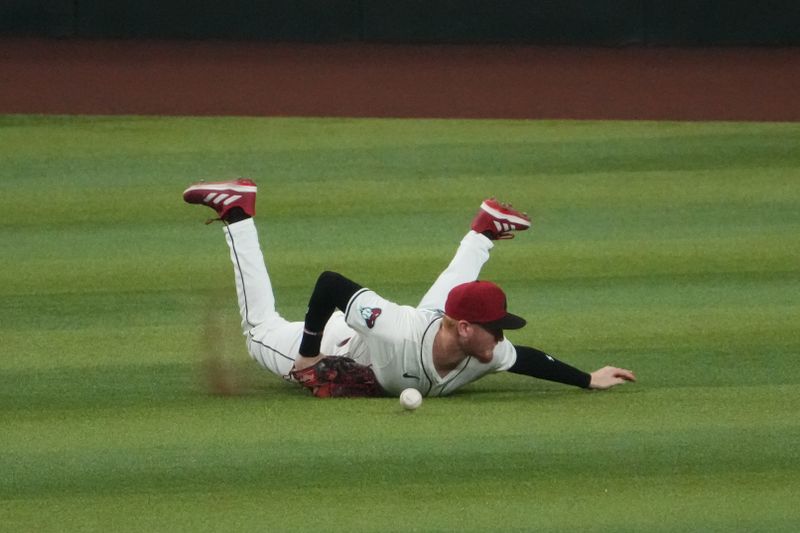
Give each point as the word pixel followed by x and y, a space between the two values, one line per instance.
pixel 624 374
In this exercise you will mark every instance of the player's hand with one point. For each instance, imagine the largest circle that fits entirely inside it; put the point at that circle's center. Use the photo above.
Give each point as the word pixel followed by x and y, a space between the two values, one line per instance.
pixel 304 362
pixel 610 376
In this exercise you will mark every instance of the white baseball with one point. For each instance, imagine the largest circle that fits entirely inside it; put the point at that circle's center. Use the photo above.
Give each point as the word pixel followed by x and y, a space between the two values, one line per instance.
pixel 410 399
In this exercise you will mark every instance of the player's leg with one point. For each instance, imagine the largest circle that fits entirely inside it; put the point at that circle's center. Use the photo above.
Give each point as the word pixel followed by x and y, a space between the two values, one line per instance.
pixel 472 254
pixel 494 221
pixel 271 340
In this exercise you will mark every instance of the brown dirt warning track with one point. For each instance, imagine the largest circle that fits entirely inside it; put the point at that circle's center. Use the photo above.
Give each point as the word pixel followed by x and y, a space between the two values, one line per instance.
pixel 361 80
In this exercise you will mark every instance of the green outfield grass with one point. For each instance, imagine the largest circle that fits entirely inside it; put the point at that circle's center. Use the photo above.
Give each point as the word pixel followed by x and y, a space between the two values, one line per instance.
pixel 672 249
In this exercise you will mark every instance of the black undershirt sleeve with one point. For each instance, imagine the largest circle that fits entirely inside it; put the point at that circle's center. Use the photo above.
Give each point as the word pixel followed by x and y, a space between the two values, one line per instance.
pixel 332 291
pixel 537 364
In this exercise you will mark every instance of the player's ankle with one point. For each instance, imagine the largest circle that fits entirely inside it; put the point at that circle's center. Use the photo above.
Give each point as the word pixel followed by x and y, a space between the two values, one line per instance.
pixel 236 214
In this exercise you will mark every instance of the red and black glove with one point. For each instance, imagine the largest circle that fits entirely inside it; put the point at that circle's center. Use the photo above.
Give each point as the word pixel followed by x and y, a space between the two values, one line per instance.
pixel 333 377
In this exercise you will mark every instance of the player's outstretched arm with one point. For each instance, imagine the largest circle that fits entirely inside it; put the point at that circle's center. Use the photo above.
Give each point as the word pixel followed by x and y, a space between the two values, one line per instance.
pixel 538 364
pixel 610 376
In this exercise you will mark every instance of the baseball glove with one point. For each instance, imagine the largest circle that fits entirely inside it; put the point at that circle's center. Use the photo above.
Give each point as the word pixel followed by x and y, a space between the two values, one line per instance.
pixel 333 377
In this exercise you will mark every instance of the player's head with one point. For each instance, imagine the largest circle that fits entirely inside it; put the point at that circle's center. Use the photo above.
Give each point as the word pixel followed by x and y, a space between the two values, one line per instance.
pixel 482 304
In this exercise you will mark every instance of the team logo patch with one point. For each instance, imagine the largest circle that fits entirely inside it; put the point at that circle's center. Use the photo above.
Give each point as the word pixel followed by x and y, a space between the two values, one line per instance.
pixel 370 314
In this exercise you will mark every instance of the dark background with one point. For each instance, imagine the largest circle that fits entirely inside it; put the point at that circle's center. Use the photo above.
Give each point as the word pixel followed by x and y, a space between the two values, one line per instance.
pixel 583 22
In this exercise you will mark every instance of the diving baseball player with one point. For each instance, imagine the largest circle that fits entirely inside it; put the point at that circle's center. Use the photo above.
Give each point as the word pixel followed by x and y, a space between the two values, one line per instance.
pixel 353 342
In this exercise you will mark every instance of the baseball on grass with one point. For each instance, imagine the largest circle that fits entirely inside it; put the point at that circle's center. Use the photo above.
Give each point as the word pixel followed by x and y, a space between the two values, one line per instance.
pixel 410 399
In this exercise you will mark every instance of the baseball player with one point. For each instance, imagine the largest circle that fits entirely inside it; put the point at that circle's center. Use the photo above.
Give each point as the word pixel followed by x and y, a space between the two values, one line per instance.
pixel 353 342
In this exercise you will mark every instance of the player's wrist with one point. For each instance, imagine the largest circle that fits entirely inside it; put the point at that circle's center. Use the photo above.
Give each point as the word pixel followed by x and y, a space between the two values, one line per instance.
pixel 306 361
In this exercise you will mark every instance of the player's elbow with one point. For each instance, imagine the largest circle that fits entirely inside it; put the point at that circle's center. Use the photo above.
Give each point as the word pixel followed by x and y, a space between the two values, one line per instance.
pixel 336 287
pixel 328 277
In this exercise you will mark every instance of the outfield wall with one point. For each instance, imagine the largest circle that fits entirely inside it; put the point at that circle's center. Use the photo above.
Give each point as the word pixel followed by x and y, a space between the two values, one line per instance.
pixel 588 22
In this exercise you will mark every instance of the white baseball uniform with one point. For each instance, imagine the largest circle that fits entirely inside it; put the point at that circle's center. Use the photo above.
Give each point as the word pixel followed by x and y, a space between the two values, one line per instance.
pixel 395 340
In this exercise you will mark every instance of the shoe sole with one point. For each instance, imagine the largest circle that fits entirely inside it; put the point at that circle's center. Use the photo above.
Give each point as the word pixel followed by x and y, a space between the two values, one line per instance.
pixel 211 187
pixel 496 213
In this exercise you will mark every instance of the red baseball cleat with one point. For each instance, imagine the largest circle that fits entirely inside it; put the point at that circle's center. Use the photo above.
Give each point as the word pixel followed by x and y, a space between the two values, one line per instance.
pixel 498 221
pixel 222 196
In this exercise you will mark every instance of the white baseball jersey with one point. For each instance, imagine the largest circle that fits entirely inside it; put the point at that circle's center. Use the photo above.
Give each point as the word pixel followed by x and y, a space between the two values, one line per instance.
pixel 397 342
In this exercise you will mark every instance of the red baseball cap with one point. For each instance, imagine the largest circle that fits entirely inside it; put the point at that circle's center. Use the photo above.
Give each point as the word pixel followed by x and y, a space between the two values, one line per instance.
pixel 483 303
